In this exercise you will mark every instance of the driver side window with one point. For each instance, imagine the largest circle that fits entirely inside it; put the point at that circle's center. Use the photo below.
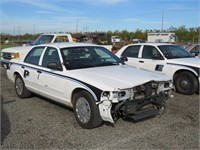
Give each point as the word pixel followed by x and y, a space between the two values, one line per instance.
pixel 51 56
pixel 150 52
pixel 196 49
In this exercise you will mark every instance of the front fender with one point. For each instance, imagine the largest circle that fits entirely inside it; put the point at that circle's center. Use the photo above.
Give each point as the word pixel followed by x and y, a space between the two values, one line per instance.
pixel 105 110
pixel 175 68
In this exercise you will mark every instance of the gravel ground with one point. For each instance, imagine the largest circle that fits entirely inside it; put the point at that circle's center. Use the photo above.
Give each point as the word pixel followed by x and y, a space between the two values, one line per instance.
pixel 36 123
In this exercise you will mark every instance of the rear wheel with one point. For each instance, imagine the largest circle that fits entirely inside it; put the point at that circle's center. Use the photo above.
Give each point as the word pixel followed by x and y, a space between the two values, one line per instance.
pixel 186 83
pixel 86 111
pixel 20 88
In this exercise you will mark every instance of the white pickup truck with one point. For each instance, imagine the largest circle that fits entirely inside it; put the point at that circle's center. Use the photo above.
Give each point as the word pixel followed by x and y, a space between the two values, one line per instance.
pixel 15 52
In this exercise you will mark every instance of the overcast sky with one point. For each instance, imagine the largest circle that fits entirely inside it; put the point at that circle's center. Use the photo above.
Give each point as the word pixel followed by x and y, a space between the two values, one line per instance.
pixel 43 16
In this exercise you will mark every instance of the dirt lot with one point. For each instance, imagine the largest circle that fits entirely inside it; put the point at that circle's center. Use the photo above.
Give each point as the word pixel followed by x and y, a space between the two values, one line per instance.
pixel 36 123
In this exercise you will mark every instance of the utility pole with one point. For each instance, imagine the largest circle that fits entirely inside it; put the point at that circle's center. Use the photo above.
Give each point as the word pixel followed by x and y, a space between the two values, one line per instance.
pixel 19 34
pixel 162 20
pixel 14 31
pixel 34 30
pixel 77 26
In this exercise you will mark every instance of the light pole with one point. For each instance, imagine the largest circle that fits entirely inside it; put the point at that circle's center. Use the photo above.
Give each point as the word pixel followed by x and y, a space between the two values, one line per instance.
pixel 162 20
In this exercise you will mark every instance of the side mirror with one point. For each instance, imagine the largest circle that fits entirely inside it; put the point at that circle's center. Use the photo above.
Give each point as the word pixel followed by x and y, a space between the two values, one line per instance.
pixel 124 59
pixel 67 64
pixel 157 56
pixel 30 43
pixel 54 66
pixel 195 54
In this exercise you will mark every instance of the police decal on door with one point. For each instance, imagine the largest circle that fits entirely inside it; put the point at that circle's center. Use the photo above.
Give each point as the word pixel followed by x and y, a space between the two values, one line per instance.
pixel 159 68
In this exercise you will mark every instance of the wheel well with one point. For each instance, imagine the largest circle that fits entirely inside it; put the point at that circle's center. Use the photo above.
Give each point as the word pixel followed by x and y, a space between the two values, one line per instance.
pixel 183 70
pixel 74 92
pixel 15 74
pixel 179 71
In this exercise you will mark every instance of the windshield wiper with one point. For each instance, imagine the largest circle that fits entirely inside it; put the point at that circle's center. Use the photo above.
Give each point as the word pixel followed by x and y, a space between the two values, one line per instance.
pixel 106 64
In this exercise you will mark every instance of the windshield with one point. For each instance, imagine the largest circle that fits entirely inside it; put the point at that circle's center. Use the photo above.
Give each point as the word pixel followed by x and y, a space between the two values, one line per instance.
pixel 43 39
pixel 174 51
pixel 85 57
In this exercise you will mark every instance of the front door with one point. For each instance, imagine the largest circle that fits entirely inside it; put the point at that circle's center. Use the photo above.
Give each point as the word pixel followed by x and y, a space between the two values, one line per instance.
pixel 50 81
pixel 131 53
pixel 151 59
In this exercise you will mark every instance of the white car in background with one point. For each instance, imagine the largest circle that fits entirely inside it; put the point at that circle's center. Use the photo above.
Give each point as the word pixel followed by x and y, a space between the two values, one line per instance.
pixel 91 80
pixel 16 52
pixel 169 59
pixel 194 50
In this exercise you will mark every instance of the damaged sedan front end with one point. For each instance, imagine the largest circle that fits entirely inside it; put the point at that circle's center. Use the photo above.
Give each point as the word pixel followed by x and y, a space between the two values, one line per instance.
pixel 139 102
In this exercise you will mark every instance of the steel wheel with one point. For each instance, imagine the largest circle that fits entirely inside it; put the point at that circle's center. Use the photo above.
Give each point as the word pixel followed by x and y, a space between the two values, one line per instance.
pixel 83 110
pixel 186 83
pixel 86 111
pixel 19 86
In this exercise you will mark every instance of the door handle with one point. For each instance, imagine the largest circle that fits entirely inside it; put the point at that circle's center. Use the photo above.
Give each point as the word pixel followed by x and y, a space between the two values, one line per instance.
pixel 141 61
pixel 22 67
pixel 39 71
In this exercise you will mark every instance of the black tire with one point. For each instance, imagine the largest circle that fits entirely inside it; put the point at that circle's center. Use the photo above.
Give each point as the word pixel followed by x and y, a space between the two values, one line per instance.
pixel 86 111
pixel 186 83
pixel 20 88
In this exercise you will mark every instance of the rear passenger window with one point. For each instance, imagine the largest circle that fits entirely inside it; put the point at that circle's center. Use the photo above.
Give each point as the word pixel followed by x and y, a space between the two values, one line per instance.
pixel 131 51
pixel 33 56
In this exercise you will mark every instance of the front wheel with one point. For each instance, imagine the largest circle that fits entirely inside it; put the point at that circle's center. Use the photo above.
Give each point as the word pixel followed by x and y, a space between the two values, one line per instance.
pixel 20 88
pixel 186 83
pixel 86 111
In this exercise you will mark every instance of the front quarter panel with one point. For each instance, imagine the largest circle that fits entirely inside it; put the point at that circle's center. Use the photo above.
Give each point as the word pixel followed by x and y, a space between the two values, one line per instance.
pixel 172 68
pixel 14 69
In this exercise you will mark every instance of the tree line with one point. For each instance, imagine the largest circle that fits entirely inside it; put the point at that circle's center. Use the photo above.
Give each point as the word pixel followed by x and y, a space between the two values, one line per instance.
pixel 185 35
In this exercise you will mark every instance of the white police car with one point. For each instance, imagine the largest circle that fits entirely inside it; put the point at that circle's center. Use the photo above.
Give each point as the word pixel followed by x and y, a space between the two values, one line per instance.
pixel 169 59
pixel 91 80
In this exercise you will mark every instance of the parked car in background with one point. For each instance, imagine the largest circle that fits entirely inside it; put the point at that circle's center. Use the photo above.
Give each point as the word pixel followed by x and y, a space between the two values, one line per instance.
pixel 91 80
pixel 195 50
pixel 169 59
pixel 15 52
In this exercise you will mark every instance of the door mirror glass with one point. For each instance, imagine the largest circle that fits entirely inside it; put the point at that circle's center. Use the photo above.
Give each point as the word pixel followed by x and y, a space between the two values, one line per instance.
pixel 157 56
pixel 124 59
pixel 54 66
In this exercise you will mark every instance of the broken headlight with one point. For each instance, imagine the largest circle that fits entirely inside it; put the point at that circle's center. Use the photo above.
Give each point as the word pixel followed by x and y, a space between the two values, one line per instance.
pixel 117 95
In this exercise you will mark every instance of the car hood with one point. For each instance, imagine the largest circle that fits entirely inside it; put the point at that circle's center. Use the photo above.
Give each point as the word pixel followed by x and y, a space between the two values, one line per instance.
pixel 16 49
pixel 111 78
pixel 194 62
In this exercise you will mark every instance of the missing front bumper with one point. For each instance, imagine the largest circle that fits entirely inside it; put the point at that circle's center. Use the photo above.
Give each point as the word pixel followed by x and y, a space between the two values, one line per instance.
pixel 140 109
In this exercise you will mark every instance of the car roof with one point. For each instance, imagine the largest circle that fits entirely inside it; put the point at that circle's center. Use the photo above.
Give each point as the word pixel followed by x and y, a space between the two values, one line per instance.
pixel 153 44
pixel 69 44
pixel 61 34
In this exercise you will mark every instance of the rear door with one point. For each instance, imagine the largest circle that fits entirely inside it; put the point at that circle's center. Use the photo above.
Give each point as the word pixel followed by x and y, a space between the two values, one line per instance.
pixel 30 68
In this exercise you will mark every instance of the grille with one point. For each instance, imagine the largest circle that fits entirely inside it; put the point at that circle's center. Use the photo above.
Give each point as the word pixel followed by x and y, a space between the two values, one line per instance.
pixel 7 56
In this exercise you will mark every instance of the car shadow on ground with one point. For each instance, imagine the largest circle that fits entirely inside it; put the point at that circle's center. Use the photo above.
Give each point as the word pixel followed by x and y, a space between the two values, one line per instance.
pixel 5 122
